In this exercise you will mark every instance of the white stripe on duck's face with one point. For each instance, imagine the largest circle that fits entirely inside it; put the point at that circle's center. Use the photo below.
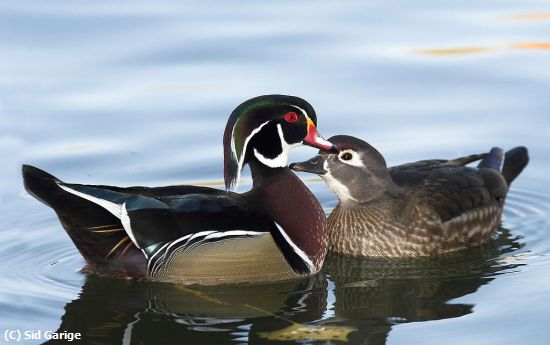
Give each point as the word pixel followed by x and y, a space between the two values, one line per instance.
pixel 240 159
pixel 282 159
pixel 336 186
pixel 288 122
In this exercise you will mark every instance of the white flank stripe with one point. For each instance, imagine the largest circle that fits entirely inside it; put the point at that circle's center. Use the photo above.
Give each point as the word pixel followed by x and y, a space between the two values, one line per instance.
pixel 125 220
pixel 188 238
pixel 160 260
pixel 336 186
pixel 112 207
pixel 233 233
pixel 202 233
pixel 179 240
pixel 159 250
pixel 207 235
pixel 187 245
pixel 155 254
pixel 297 250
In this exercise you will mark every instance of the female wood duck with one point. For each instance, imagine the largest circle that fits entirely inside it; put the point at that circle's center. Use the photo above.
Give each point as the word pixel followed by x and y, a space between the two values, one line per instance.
pixel 417 209
pixel 191 234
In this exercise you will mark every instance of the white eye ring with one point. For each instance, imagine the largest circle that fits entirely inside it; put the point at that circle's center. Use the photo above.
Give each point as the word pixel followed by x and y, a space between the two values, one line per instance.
pixel 350 157
pixel 345 156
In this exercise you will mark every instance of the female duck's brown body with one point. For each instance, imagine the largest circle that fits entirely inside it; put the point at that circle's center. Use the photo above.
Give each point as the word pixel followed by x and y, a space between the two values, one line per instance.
pixel 402 225
pixel 417 209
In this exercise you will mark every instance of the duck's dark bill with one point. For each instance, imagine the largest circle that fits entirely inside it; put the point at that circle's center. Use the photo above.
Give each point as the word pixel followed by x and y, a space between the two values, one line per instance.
pixel 314 165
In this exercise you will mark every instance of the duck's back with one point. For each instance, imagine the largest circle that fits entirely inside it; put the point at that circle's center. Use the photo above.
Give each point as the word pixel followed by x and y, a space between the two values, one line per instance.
pixel 450 190
pixel 467 202
pixel 184 234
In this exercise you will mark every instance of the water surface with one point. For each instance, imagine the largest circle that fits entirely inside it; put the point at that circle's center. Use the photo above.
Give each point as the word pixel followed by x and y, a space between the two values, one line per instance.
pixel 137 93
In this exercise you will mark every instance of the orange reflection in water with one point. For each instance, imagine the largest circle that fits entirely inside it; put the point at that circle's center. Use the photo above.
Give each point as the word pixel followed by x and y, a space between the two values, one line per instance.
pixel 475 50
pixel 453 51
pixel 531 45
pixel 507 47
pixel 531 16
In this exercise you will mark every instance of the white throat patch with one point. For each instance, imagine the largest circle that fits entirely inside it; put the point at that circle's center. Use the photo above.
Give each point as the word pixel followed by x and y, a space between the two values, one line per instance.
pixel 282 159
pixel 336 186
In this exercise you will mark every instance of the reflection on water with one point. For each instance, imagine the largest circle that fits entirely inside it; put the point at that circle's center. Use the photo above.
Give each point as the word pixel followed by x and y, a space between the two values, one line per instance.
pixel 473 50
pixel 530 16
pixel 531 45
pixel 355 299
pixel 110 311
pixel 138 93
pixel 451 51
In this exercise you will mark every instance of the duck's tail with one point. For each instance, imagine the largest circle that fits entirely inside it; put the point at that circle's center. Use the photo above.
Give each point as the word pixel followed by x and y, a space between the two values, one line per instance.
pixel 510 164
pixel 41 185
pixel 515 161
pixel 493 160
pixel 98 234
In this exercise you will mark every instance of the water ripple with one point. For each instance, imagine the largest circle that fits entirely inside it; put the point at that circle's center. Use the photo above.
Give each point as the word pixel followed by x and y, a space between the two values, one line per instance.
pixel 526 211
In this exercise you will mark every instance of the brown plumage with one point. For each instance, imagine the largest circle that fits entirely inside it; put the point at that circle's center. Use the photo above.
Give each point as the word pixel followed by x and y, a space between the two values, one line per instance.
pixel 418 209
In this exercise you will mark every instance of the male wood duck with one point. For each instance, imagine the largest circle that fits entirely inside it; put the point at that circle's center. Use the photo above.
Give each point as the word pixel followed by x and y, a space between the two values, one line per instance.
pixel 416 209
pixel 198 235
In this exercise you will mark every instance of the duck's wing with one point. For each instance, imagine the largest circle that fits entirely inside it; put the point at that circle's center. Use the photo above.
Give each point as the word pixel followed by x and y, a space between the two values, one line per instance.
pixel 450 188
pixel 97 233
pixel 131 229
pixel 165 191
pixel 454 191
pixel 210 239
pixel 412 174
pixel 204 238
pixel 93 217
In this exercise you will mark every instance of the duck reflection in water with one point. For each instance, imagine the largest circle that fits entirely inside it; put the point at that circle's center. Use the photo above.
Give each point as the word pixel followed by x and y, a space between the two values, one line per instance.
pixel 369 295
pixel 373 295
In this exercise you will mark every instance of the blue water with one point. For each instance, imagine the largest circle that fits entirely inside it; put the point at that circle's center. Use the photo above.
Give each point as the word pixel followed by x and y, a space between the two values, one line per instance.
pixel 138 93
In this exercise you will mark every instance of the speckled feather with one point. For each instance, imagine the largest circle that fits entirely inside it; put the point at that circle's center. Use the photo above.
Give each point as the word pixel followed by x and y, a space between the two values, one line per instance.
pixel 444 207
pixel 376 230
pixel 418 209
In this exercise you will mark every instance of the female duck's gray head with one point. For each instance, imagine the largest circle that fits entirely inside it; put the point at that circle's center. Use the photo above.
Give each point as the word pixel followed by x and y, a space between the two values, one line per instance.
pixel 357 173
pixel 264 129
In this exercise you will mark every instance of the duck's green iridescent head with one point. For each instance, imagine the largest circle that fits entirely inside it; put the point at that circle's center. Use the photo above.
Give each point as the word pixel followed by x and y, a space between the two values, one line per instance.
pixel 265 128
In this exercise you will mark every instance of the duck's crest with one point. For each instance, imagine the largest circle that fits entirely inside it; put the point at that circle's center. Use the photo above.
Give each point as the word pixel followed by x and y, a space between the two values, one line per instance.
pixel 243 123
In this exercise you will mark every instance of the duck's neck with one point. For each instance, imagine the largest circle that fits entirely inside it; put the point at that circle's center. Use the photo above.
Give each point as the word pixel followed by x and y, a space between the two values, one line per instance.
pixel 280 194
pixel 363 189
pixel 262 174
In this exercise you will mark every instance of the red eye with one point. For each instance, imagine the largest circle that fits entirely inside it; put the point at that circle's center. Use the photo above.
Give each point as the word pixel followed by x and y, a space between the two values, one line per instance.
pixel 291 117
